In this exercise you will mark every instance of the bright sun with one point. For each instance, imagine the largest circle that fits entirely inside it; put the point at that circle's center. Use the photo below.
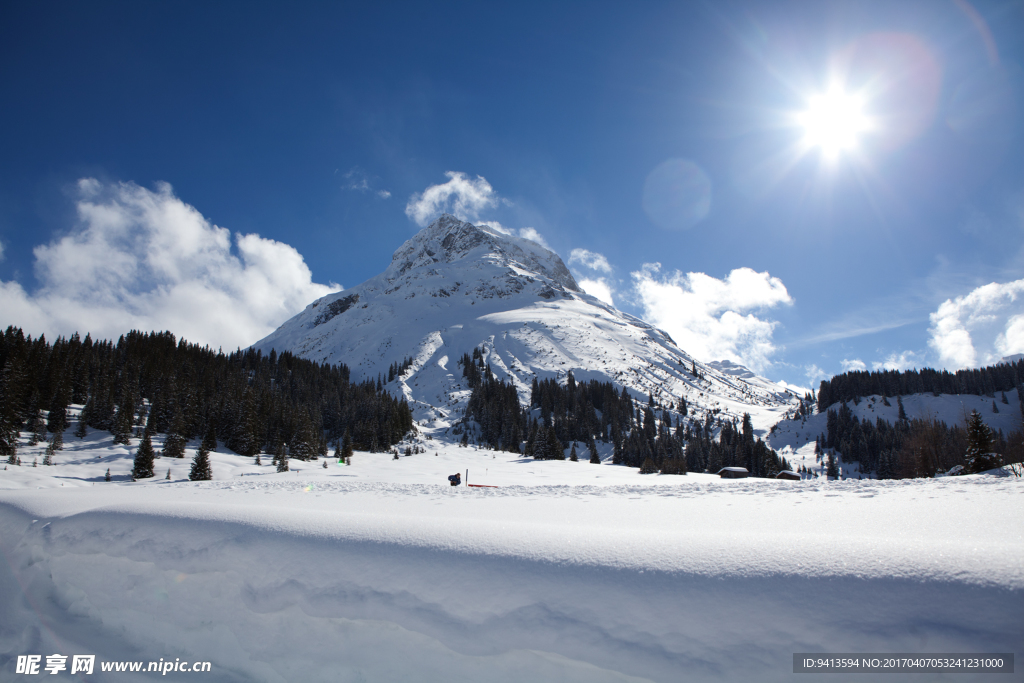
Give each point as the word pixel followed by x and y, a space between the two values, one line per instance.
pixel 834 121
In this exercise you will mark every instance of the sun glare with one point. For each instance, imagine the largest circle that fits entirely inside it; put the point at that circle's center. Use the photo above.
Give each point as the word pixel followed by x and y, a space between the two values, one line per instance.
pixel 834 121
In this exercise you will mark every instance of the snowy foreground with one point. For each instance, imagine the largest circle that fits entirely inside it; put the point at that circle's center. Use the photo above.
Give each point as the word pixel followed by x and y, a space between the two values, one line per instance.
pixel 566 572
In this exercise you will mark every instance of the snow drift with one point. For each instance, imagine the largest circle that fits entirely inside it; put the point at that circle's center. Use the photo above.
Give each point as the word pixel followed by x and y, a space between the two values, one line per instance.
pixel 280 580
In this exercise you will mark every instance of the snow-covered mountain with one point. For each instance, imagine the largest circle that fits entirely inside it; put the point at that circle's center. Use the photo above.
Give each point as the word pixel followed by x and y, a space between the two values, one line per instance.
pixel 455 286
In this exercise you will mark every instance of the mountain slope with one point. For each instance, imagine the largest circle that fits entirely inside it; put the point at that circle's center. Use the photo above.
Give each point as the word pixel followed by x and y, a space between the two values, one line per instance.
pixel 455 286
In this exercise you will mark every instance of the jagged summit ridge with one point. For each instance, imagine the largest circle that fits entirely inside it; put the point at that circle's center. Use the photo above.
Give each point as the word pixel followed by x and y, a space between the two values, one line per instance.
pixel 449 239
pixel 454 287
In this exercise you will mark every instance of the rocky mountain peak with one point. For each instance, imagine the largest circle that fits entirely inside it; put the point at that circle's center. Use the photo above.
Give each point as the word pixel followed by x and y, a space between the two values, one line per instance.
pixel 449 239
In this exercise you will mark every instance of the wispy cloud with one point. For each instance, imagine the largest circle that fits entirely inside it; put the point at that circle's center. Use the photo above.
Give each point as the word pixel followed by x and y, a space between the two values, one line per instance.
pixel 852 329
pixel 358 180
pixel 589 259
pixel 462 196
pixel 714 319
pixel 534 236
pixel 904 360
pixel 596 285
pixel 144 259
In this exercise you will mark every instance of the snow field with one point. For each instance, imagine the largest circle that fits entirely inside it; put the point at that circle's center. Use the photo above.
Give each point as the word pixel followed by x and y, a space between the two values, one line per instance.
pixel 380 571
pixel 278 579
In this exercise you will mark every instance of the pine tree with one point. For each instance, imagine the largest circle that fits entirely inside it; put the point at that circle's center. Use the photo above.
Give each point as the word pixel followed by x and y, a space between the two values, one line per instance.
pixel 903 413
pixel 57 443
pixel 122 430
pixel 48 455
pixel 174 446
pixel 210 440
pixel 282 460
pixel 346 447
pixel 648 467
pixel 979 456
pixel 168 477
pixel 106 477
pixel 37 428
pixel 572 454
pixel 201 465
pixel 143 467
pixel 554 446
pixel 80 431
pixel 832 468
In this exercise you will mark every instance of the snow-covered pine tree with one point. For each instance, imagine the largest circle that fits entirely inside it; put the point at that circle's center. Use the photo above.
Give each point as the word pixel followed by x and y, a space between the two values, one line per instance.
pixel 106 477
pixel 201 464
pixel 282 460
pixel 979 456
pixel 48 455
pixel 143 466
pixel 57 443
pixel 572 454
pixel 80 431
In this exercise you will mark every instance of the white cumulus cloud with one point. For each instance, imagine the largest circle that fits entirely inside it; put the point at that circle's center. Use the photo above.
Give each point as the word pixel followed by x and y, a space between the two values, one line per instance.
pixel 598 287
pixel 589 259
pixel 981 327
pixel 462 196
pixel 853 365
pixel 710 318
pixel 144 259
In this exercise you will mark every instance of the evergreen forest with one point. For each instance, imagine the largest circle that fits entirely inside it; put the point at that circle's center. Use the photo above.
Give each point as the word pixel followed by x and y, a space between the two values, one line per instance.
pixel 251 401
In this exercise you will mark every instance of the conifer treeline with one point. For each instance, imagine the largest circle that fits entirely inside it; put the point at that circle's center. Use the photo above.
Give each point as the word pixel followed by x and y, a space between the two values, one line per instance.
pixel 981 381
pixel 589 411
pixel 251 401
pixel 908 448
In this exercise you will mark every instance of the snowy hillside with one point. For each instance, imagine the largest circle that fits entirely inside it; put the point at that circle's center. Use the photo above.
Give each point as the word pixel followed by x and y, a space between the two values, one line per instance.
pixel 380 571
pixel 794 439
pixel 455 286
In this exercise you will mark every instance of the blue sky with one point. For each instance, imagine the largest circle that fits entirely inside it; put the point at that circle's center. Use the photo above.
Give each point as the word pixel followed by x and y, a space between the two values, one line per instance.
pixel 646 133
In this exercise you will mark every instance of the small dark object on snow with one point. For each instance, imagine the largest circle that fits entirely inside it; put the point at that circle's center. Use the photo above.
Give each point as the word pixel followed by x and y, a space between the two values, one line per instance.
pixel 455 479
